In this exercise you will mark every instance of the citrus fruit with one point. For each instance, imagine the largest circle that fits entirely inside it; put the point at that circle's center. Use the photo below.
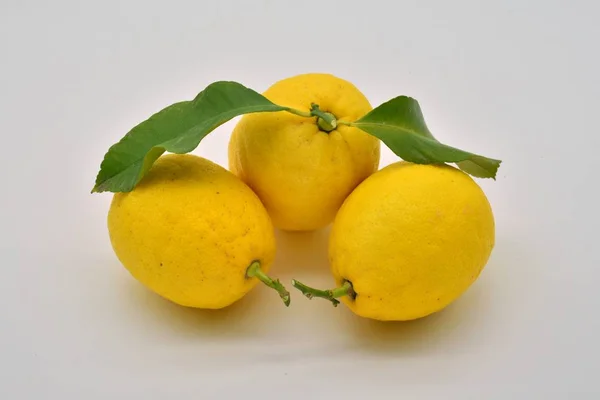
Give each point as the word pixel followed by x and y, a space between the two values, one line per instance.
pixel 409 241
pixel 193 233
pixel 302 172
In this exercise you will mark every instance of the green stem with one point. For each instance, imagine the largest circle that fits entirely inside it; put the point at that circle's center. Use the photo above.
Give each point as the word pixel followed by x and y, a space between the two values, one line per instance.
pixel 345 290
pixel 301 113
pixel 325 120
pixel 254 271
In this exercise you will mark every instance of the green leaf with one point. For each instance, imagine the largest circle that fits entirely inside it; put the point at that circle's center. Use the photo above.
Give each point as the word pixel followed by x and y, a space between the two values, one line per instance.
pixel 179 128
pixel 399 123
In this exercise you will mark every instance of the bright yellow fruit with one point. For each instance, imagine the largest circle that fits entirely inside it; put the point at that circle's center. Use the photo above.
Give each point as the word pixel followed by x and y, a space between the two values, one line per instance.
pixel 411 239
pixel 300 173
pixel 189 231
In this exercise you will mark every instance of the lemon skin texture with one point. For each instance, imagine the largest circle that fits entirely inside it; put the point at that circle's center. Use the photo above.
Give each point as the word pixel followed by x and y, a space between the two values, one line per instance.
pixel 189 231
pixel 303 174
pixel 411 239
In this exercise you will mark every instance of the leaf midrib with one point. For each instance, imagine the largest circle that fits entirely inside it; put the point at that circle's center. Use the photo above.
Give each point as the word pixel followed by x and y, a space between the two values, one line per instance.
pixel 381 125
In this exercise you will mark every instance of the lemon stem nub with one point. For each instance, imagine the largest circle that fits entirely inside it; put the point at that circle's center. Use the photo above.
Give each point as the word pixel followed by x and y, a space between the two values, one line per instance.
pixel 345 290
pixel 254 271
pixel 326 121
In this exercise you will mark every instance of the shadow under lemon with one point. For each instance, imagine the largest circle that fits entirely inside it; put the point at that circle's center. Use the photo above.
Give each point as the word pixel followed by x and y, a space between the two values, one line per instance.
pixel 458 327
pixel 456 323
pixel 255 315
pixel 260 314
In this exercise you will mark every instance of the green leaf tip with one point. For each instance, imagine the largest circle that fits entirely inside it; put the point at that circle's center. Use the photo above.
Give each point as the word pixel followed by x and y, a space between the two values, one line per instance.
pixel 400 125
pixel 481 168
pixel 178 128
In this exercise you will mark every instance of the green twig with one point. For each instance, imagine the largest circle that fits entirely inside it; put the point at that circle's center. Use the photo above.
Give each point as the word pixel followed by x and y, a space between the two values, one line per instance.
pixel 325 120
pixel 345 290
pixel 254 271
pixel 301 113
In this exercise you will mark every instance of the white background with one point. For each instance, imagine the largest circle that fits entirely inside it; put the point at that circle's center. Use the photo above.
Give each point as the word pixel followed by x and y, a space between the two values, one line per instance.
pixel 516 80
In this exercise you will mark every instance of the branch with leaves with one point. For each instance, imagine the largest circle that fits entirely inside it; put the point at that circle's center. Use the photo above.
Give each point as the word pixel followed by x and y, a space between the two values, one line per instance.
pixel 180 128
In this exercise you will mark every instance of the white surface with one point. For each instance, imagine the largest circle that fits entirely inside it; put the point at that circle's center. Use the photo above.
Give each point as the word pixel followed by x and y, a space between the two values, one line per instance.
pixel 515 80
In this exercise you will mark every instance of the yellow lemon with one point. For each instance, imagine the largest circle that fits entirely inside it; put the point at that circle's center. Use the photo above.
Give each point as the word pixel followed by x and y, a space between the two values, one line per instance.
pixel 192 232
pixel 300 172
pixel 409 241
